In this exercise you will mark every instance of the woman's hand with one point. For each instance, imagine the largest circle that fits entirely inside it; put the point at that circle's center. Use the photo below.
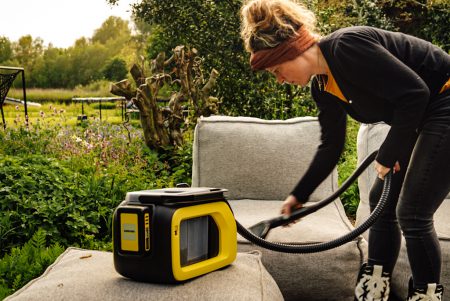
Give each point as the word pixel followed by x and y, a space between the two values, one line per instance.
pixel 290 204
pixel 383 170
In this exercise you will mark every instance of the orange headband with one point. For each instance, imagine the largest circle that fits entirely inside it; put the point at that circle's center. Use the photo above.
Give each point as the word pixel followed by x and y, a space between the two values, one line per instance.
pixel 286 51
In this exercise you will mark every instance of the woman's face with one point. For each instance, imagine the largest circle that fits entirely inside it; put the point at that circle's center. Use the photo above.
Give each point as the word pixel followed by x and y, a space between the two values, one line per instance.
pixel 297 71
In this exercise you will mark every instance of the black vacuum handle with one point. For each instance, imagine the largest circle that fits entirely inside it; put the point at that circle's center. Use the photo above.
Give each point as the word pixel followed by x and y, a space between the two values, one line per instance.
pixel 304 211
pixel 322 246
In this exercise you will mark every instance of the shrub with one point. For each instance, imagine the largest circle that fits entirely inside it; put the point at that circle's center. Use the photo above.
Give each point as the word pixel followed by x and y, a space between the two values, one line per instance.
pixel 115 69
pixel 22 264
pixel 38 192
pixel 347 164
pixel 424 19
pixel 213 27
pixel 68 181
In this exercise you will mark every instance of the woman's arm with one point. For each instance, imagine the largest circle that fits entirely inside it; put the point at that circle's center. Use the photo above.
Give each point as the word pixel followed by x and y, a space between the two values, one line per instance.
pixel 333 120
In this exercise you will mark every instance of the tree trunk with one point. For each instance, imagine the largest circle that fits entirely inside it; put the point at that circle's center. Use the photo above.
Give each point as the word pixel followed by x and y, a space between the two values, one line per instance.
pixel 163 126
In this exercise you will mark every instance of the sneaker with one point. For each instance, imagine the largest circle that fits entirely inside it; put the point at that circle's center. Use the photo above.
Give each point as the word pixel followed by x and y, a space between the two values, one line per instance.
pixel 433 292
pixel 373 284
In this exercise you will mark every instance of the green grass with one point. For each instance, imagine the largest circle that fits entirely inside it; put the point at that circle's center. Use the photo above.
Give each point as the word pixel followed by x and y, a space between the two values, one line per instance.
pixel 49 95
pixel 96 89
pixel 63 114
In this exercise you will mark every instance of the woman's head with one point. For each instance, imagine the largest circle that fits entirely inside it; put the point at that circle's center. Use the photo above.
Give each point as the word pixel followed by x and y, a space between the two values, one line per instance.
pixel 268 23
pixel 280 35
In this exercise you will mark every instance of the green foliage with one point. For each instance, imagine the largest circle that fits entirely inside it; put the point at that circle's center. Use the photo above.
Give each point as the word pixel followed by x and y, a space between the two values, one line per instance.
pixel 368 12
pixel 39 192
pixel 347 164
pixel 68 181
pixel 180 160
pixel 112 29
pixel 115 69
pixel 52 70
pixel 27 50
pixel 5 49
pixel 22 264
pixel 424 19
pixel 105 105
pixel 213 28
pixel 433 31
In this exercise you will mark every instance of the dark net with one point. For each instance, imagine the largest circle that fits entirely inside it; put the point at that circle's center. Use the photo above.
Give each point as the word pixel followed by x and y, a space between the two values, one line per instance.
pixel 6 81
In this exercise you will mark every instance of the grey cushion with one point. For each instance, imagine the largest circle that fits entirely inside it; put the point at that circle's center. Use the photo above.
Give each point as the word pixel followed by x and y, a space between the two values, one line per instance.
pixel 260 161
pixel 254 158
pixel 89 275
pixel 329 275
pixel 370 138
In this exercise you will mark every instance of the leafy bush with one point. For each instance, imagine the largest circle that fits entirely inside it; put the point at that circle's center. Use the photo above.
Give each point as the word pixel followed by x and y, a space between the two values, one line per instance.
pixel 424 19
pixel 38 192
pixel 347 164
pixel 64 182
pixel 68 181
pixel 115 69
pixel 22 264
pixel 213 27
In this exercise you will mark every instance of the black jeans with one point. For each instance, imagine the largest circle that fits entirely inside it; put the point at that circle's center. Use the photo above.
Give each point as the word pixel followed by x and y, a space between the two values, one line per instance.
pixel 417 191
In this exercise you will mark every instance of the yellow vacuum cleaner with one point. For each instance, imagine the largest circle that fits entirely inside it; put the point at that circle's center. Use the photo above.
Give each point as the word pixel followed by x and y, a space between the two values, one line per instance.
pixel 172 235
pixel 176 234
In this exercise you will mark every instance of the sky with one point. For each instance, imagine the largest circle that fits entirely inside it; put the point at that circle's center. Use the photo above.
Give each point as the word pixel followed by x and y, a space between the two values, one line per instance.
pixel 60 22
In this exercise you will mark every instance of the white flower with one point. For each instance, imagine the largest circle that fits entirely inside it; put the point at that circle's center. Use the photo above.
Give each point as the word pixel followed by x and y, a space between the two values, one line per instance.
pixel 76 138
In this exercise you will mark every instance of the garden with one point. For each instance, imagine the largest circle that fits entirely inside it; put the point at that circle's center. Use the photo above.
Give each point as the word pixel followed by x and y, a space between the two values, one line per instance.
pixel 61 177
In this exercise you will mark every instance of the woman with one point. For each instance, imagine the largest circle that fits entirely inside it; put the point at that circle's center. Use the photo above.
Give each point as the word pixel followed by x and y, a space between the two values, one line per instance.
pixel 372 75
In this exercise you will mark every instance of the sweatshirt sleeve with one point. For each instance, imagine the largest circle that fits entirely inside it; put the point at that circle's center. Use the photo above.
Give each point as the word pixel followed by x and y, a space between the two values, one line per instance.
pixel 369 65
pixel 333 120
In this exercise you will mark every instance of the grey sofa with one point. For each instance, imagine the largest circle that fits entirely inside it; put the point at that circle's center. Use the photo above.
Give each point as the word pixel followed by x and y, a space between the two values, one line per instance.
pixel 370 138
pixel 259 162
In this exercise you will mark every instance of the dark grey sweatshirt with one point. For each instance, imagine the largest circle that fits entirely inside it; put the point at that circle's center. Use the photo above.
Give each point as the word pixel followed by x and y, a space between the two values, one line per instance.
pixel 385 76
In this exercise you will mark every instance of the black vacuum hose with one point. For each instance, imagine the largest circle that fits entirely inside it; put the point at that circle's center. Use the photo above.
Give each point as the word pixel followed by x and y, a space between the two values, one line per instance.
pixel 319 247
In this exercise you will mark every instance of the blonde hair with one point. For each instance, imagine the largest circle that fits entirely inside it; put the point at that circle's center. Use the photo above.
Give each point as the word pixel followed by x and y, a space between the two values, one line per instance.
pixel 267 23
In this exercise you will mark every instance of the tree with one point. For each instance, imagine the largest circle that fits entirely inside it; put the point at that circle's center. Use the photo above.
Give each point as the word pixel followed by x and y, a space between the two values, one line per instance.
pixel 86 62
pixel 27 53
pixel 111 29
pixel 27 49
pixel 48 67
pixel 213 28
pixel 55 69
pixel 115 69
pixel 163 126
pixel 6 51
